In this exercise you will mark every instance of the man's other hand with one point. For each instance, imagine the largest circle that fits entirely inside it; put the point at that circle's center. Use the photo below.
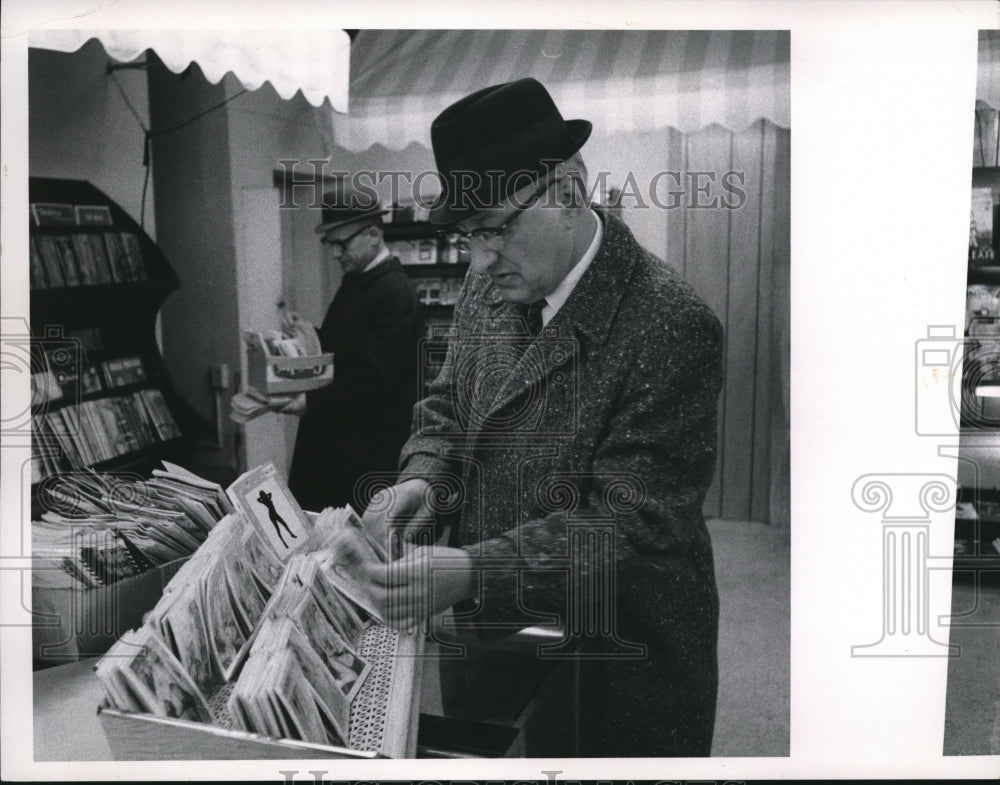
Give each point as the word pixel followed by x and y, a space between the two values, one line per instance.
pixel 395 514
pixel 421 584
pixel 291 321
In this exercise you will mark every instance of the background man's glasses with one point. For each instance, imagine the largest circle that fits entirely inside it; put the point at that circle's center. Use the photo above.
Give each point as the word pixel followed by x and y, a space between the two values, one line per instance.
pixel 491 235
pixel 341 243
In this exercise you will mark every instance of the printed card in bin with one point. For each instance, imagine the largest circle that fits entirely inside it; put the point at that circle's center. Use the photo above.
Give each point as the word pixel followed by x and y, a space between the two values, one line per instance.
pixel 267 504
pixel 286 362
pixel 268 643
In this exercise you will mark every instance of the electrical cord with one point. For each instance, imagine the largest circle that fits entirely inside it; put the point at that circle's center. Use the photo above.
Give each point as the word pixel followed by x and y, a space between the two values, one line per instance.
pixel 148 135
pixel 190 120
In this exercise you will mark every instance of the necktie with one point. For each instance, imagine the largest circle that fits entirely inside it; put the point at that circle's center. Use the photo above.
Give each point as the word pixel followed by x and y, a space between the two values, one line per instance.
pixel 533 317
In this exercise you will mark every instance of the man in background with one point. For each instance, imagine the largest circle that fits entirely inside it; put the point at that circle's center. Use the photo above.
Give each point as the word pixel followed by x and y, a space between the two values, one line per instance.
pixel 357 424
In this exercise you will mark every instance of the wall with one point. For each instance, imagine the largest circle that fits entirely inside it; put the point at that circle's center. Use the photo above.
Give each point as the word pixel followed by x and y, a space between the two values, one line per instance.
pixel 279 265
pixel 215 182
pixel 80 127
pixel 263 130
pixel 738 260
pixel 194 214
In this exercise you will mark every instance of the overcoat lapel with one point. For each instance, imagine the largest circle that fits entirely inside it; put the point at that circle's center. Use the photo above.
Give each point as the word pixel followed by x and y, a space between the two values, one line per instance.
pixel 589 311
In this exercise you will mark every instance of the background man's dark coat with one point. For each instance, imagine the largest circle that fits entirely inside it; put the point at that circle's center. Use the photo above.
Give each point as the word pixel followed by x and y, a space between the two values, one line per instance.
pixel 358 423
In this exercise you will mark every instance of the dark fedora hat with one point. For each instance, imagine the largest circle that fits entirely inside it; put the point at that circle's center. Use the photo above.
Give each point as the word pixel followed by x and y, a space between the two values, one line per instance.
pixel 346 206
pixel 495 141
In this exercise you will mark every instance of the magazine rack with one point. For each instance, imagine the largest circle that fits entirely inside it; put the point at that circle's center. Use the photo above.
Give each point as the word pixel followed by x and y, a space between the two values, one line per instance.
pixel 437 270
pixel 94 304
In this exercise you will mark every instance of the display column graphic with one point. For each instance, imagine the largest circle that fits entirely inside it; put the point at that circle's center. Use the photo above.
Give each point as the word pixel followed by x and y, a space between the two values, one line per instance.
pixel 591 629
pixel 906 502
pixel 591 609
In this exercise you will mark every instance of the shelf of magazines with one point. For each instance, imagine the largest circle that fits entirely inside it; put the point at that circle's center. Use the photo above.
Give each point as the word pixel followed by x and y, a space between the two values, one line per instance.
pixel 977 534
pixel 126 428
pixel 984 220
pixel 101 396
pixel 266 644
pixel 82 240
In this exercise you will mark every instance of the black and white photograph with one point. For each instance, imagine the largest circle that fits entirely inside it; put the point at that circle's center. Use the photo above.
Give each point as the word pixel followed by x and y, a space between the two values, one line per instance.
pixel 502 392
pixel 266 504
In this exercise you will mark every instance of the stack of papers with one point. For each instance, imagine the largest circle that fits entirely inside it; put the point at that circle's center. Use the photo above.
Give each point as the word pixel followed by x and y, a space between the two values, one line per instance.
pixel 247 406
pixel 100 529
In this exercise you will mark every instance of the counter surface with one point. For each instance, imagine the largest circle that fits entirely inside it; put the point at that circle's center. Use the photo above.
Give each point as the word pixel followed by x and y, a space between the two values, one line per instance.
pixel 65 704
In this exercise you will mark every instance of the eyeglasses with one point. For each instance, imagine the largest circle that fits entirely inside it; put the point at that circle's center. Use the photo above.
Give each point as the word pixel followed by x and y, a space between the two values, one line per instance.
pixel 490 235
pixel 343 241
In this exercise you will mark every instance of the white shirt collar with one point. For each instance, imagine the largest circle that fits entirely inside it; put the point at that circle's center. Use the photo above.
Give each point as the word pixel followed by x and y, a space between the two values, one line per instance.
pixel 555 300
pixel 379 258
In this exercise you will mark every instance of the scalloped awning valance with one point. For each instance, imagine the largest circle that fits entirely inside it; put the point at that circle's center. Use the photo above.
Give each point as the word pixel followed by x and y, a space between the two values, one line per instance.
pixel 621 80
pixel 317 62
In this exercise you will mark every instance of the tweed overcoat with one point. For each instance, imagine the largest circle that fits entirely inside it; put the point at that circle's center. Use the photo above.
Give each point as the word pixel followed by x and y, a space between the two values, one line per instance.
pixel 357 424
pixel 582 458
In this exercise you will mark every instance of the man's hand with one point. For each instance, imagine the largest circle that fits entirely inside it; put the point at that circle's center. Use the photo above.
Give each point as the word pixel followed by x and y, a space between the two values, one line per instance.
pixel 421 584
pixel 401 509
pixel 290 322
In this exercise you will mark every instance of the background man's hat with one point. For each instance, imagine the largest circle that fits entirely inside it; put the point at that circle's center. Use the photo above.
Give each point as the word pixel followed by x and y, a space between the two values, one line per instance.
pixel 346 205
pixel 491 143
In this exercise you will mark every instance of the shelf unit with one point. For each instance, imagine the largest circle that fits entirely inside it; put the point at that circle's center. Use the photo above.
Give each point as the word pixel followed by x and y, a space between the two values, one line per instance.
pixel 974 535
pixel 989 274
pixel 94 341
pixel 980 415
pixel 982 319
pixel 437 282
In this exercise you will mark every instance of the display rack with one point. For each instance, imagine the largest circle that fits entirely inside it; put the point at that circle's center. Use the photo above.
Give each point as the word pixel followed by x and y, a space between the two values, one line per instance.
pixel 437 270
pixel 977 525
pixel 981 347
pixel 101 396
pixel 977 518
pixel 987 274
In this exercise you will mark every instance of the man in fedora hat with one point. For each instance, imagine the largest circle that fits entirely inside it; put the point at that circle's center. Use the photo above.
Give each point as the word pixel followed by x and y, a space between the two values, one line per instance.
pixel 358 423
pixel 569 441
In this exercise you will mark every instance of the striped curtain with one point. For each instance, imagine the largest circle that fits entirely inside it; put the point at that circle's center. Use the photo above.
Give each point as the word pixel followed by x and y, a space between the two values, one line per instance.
pixel 628 81
pixel 739 262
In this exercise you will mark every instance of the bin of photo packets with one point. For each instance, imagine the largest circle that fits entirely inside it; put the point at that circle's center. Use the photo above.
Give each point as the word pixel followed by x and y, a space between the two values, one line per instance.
pixel 264 645
pixel 280 362
pixel 105 547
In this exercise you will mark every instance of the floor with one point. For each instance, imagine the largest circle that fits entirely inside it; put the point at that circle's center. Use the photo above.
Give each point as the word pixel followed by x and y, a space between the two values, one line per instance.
pixel 752 569
pixel 972 709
